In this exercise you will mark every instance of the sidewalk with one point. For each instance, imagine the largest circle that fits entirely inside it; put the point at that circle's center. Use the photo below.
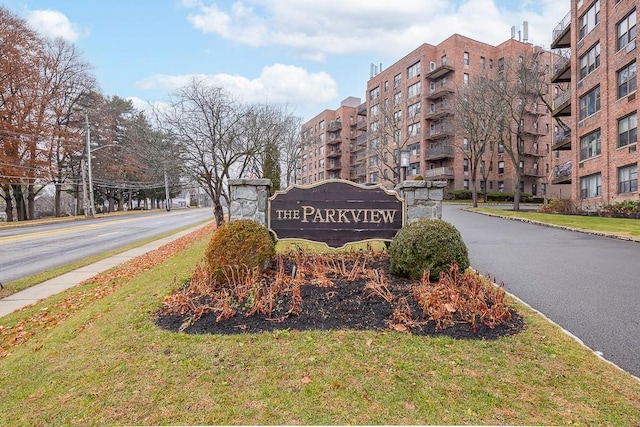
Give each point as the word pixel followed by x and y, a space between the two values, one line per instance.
pixel 58 284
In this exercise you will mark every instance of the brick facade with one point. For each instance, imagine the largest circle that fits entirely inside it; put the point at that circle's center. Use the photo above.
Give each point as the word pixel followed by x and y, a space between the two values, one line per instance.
pixel 607 171
pixel 415 95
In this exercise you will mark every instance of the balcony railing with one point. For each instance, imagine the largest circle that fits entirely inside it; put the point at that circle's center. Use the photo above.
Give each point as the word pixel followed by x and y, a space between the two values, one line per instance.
pixel 445 173
pixel 440 89
pixel 562 173
pixel 440 69
pixel 334 125
pixel 562 103
pixel 439 152
pixel 562 140
pixel 560 34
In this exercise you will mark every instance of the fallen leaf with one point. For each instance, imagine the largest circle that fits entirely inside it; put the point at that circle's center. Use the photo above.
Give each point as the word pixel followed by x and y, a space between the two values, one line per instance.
pixel 410 406
pixel 306 379
pixel 369 342
pixel 399 328
pixel 450 308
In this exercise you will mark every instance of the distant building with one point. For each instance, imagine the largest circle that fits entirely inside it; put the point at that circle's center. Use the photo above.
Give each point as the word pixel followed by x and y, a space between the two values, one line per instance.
pixel 595 95
pixel 414 97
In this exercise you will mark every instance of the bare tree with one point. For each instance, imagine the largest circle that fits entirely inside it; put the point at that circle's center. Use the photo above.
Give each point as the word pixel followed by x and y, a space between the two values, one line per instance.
pixel 477 119
pixel 521 87
pixel 206 124
pixel 394 125
pixel 291 148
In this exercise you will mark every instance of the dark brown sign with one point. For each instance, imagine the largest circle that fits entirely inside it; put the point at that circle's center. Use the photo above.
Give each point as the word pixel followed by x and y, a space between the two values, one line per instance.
pixel 335 212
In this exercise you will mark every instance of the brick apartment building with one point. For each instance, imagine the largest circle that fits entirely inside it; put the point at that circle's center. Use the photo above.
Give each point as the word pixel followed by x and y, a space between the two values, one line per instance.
pixel 409 105
pixel 595 93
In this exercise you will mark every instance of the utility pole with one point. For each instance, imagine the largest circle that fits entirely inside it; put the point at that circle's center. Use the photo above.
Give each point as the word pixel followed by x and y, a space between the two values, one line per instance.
pixel 166 190
pixel 91 202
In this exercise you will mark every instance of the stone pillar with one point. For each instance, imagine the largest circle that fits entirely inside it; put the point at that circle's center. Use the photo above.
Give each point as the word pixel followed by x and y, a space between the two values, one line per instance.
pixel 422 198
pixel 248 199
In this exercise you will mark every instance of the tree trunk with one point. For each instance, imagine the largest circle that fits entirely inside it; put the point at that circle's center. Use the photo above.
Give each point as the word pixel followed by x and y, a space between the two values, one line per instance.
pixel 8 201
pixel 31 202
pixel 218 212
pixel 21 209
pixel 474 192
pixel 56 199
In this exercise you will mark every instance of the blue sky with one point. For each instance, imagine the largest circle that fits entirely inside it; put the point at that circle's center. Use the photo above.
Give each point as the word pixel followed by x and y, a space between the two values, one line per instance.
pixel 306 54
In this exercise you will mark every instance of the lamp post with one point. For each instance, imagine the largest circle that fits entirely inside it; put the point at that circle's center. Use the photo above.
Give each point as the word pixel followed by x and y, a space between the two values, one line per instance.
pixel 405 158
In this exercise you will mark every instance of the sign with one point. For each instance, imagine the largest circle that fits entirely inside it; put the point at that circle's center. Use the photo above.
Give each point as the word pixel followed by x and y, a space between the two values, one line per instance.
pixel 335 212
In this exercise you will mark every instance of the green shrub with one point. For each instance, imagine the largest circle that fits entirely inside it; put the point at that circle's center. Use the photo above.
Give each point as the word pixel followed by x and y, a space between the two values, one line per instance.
pixel 418 178
pixel 427 244
pixel 237 246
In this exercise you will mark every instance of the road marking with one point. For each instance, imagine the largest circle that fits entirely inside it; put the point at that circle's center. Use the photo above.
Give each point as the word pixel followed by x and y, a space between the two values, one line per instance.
pixel 83 227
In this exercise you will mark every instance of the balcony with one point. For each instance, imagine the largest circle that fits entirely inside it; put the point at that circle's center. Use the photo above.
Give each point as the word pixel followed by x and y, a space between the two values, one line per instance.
pixel 334 125
pixel 441 70
pixel 440 132
pixel 361 109
pixel 562 140
pixel 531 172
pixel 562 104
pixel 561 34
pixel 334 166
pixel 440 90
pixel 334 153
pixel 439 173
pixel 562 173
pixel 361 140
pixel 438 113
pixel 443 151
pixel 358 172
pixel 562 70
pixel 362 124
pixel 533 130
pixel 334 139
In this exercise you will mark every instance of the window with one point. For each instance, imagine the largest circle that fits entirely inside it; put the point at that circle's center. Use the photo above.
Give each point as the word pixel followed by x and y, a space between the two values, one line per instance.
pixel 627 80
pixel 590 145
pixel 397 116
pixel 396 80
pixel 465 79
pixel 591 186
pixel 590 61
pixel 397 98
pixel 628 130
pixel 386 85
pixel 415 149
pixel 589 20
pixel 482 60
pixel 373 161
pixel 465 184
pixel 491 64
pixel 413 110
pixel 375 110
pixel 413 90
pixel 627 30
pixel 375 126
pixel 414 129
pixel 374 93
pixel 413 70
pixel 590 103
pixel 500 64
pixel 414 169
pixel 321 125
pixel 373 177
pixel 628 179
pixel 500 186
pixel 465 58
pixel 465 167
pixel 465 144
pixel 501 167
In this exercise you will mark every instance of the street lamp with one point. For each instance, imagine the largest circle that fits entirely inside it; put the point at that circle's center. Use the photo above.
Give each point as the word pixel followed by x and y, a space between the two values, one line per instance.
pixel 405 158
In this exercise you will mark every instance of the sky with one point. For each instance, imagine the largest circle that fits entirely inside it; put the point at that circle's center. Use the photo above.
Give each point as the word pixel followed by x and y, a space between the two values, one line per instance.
pixel 306 55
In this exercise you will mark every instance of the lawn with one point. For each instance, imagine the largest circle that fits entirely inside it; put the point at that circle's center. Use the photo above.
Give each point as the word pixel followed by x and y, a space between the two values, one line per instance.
pixel 622 227
pixel 94 356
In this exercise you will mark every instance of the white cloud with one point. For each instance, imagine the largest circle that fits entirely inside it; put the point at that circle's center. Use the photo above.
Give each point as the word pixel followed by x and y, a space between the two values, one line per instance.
pixel 53 24
pixel 315 29
pixel 278 83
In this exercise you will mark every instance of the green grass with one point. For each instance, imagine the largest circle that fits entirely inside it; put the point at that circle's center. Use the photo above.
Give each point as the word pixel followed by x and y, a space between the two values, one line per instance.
pixel 20 284
pixel 617 226
pixel 108 364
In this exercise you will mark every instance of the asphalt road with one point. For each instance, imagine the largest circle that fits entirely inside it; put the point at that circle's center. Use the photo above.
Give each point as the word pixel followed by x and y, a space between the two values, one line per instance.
pixel 29 250
pixel 589 285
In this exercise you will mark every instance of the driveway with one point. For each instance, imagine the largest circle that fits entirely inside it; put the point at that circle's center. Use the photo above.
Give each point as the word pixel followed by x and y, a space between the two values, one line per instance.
pixel 589 285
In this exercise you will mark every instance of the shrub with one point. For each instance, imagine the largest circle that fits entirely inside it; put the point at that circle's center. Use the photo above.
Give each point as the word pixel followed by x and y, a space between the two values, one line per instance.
pixel 427 245
pixel 558 206
pixel 238 246
pixel 418 178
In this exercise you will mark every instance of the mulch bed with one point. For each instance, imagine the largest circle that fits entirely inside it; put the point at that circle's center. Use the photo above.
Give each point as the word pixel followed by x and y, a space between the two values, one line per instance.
pixel 344 305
